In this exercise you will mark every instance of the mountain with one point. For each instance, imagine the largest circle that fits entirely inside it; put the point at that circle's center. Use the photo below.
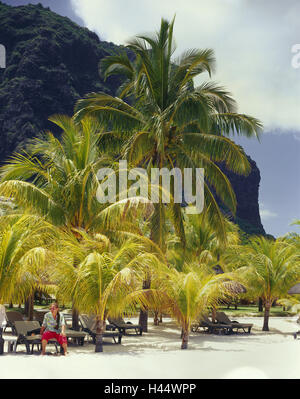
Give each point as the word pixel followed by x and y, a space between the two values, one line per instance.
pixel 246 189
pixel 50 63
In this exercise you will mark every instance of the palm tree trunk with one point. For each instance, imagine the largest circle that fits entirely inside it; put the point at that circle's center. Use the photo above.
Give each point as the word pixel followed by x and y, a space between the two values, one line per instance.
pixel 213 314
pixel 160 318
pixel 260 304
pixel 75 319
pixel 185 338
pixel 266 316
pixel 143 318
pixel 156 321
pixel 99 335
pixel 29 307
pixel 26 307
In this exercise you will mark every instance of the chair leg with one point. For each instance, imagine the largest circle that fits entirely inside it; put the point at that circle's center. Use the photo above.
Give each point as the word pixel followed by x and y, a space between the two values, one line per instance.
pixel 27 347
pixel 9 347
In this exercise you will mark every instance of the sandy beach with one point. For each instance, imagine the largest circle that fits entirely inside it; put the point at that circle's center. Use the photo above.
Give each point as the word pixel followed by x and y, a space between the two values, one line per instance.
pixel 157 354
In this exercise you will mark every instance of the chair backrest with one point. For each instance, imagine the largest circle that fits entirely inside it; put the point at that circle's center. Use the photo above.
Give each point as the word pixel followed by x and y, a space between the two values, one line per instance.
pixel 22 327
pixel 204 317
pixel 89 321
pixel 68 319
pixel 117 320
pixel 14 316
pixel 39 315
pixel 222 318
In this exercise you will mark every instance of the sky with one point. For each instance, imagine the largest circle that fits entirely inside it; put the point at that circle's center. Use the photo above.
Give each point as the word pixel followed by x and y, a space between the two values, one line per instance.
pixel 253 42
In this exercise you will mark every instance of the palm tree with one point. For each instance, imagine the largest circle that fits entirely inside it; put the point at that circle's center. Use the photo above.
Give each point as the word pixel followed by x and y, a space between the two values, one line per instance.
pixel 203 243
pixel 189 293
pixel 105 282
pixel 25 253
pixel 172 123
pixel 57 179
pixel 268 268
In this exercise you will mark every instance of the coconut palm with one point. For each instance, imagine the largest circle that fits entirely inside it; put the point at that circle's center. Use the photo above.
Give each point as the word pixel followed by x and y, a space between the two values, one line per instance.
pixel 294 238
pixel 25 253
pixel 189 293
pixel 203 243
pixel 57 179
pixel 292 303
pixel 172 123
pixel 104 283
pixel 269 268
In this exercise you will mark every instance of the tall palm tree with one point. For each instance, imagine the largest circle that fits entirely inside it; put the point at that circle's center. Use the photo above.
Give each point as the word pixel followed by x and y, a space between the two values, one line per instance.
pixel 105 283
pixel 268 269
pixel 172 122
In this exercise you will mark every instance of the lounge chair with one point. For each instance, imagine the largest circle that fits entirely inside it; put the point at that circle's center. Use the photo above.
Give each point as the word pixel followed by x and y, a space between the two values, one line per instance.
pixel 211 327
pixel 39 315
pixel 11 318
pixel 221 317
pixel 122 326
pixel 88 324
pixel 23 328
pixel 77 336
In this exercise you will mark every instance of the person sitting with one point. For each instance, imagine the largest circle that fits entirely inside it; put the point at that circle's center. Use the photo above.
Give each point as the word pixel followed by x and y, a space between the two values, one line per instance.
pixel 54 326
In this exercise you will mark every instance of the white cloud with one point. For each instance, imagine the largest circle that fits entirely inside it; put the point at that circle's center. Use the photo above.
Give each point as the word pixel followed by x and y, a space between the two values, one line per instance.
pixel 252 40
pixel 265 213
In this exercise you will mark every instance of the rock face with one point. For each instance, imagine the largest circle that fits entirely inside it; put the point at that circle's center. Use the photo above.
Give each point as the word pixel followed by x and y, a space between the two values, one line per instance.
pixel 246 189
pixel 51 62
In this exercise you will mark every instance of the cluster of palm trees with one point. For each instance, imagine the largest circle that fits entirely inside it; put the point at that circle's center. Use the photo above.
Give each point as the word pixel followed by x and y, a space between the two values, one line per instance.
pixel 105 259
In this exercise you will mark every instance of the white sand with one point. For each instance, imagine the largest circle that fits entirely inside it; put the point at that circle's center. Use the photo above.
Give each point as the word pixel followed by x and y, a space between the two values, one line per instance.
pixel 157 354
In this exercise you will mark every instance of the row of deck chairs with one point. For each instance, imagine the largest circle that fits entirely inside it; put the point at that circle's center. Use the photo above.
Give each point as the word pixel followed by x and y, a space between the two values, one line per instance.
pixel 223 325
pixel 28 331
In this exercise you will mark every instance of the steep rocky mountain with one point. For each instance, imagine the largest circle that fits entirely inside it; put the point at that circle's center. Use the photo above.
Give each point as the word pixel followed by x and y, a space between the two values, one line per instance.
pixel 50 63
pixel 246 189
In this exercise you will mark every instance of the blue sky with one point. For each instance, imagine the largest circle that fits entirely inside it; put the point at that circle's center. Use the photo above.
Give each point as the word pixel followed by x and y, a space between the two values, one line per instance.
pixel 252 40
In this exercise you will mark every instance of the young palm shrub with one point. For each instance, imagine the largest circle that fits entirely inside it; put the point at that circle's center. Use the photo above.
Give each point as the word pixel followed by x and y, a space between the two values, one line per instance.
pixel 25 254
pixel 203 243
pixel 188 293
pixel 268 269
pixel 104 283
pixel 292 303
